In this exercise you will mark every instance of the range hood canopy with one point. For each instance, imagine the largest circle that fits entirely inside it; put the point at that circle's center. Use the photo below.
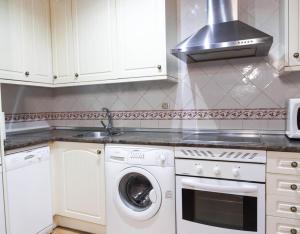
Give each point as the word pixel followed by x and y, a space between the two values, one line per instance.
pixel 223 37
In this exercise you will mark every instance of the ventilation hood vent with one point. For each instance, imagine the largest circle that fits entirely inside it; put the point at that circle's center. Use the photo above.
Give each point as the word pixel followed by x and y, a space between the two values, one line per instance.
pixel 223 37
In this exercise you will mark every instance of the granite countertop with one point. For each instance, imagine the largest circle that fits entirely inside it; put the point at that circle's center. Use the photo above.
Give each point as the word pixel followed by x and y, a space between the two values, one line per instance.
pixel 271 142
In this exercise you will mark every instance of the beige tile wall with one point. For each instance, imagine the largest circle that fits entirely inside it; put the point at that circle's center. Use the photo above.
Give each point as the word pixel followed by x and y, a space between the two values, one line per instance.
pixel 231 84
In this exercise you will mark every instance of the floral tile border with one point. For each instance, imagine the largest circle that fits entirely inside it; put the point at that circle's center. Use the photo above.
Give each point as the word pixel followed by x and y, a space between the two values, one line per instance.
pixel 212 114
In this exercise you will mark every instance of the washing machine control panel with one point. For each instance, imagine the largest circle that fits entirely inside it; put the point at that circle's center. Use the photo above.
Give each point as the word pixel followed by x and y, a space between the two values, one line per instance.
pixel 136 154
pixel 141 156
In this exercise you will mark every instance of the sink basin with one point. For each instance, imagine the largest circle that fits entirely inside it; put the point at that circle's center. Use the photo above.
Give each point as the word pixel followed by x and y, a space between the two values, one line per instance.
pixel 97 135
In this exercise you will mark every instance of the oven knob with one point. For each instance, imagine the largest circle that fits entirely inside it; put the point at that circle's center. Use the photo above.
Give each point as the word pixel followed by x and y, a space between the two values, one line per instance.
pixel 199 169
pixel 217 170
pixel 235 172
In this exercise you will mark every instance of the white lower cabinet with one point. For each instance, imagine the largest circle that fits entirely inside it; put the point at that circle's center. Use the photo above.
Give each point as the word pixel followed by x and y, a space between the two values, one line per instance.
pixel 277 225
pixel 79 183
pixel 283 188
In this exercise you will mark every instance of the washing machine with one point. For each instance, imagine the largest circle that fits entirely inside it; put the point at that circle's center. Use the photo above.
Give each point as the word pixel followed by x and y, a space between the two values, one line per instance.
pixel 140 190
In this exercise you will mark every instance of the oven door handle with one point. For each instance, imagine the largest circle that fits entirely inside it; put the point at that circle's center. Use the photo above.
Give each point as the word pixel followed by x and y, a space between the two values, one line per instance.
pixel 219 188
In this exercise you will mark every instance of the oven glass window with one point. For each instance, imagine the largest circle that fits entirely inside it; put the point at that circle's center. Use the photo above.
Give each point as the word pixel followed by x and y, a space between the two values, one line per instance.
pixel 220 210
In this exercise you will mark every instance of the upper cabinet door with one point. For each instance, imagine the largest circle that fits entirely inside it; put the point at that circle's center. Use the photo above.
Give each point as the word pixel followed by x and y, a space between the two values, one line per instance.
pixel 141 36
pixel 294 32
pixel 10 46
pixel 28 55
pixel 292 35
pixel 93 35
pixel 42 58
pixel 37 58
pixel 25 43
pixel 62 41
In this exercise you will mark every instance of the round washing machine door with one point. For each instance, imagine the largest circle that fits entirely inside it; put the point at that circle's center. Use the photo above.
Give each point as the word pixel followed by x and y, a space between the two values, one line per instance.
pixel 138 194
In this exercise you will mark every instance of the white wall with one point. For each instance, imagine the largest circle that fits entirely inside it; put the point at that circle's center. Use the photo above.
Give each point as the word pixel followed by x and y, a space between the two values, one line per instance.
pixel 25 99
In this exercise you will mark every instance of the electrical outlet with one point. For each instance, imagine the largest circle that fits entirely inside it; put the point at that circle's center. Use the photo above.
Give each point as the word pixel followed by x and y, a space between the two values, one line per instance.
pixel 165 106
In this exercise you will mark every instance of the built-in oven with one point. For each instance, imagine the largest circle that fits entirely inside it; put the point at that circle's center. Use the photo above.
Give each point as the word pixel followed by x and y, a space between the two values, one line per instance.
pixel 220 197
pixel 214 206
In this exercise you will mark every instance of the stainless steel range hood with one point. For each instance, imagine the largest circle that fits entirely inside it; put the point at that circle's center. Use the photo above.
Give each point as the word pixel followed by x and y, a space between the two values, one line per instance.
pixel 223 37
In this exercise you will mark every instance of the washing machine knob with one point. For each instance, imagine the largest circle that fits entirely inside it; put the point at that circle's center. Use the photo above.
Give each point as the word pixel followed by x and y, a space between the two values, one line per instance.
pixel 162 158
pixel 199 169
pixel 217 170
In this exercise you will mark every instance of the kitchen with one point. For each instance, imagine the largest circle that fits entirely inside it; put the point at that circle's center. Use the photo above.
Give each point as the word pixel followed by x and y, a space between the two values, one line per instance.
pixel 110 124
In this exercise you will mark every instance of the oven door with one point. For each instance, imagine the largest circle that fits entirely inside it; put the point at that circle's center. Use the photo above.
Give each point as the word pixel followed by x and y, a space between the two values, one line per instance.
pixel 213 206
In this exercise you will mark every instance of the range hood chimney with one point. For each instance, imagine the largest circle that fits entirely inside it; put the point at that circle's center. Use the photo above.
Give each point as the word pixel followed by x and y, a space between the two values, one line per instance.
pixel 223 37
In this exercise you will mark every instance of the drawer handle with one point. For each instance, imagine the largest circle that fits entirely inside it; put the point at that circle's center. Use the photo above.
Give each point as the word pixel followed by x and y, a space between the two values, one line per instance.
pixel 294 209
pixel 99 152
pixel 294 164
pixel 296 55
pixel 294 187
pixel 293 231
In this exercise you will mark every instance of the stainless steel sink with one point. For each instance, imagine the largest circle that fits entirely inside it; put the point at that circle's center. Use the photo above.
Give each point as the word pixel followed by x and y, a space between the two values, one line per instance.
pixel 97 135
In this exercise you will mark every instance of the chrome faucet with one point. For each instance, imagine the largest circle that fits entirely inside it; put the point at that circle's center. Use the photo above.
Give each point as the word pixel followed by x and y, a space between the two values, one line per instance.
pixel 109 127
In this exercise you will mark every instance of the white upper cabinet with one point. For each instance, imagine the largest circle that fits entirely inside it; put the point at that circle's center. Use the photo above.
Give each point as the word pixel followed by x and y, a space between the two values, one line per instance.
pixel 87 41
pixel 93 35
pixel 25 41
pixel 10 46
pixel 42 54
pixel 62 41
pixel 113 41
pixel 292 33
pixel 141 34
pixel 82 40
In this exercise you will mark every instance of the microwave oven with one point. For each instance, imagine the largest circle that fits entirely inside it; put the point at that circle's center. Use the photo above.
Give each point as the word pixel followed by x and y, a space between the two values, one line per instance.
pixel 293 118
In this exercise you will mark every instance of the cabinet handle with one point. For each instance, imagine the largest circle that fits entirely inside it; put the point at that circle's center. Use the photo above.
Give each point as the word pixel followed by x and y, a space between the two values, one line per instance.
pixel 76 75
pixel 27 73
pixel 296 55
pixel 294 164
pixel 293 231
pixel 159 67
pixel 55 77
pixel 294 187
pixel 99 152
pixel 294 209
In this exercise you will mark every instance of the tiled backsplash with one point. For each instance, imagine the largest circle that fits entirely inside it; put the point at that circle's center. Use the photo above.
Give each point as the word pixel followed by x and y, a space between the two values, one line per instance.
pixel 236 87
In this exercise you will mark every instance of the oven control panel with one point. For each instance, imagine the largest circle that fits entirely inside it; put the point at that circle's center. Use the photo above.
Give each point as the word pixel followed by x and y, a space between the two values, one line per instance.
pixel 221 170
pixel 219 154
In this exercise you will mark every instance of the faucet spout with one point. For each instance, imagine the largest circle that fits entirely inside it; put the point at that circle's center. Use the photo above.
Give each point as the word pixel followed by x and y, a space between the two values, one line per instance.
pixel 109 127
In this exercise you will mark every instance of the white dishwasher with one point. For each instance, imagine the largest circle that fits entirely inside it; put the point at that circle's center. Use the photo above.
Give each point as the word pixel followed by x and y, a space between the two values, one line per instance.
pixel 29 192
pixel 2 214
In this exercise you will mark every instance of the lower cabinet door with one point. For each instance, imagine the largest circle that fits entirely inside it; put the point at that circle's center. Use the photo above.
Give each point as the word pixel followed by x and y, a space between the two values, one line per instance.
pixel 276 225
pixel 79 184
pixel 283 206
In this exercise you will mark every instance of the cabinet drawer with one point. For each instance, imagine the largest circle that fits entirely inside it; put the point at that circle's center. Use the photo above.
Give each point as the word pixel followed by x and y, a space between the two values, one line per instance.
pixel 283 163
pixel 283 185
pixel 277 225
pixel 283 206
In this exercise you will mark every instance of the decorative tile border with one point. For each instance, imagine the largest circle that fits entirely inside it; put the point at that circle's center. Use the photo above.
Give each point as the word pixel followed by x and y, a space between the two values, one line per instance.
pixel 213 114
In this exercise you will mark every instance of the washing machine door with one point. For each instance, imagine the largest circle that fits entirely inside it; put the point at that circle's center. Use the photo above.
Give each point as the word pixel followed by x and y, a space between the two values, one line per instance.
pixel 138 194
